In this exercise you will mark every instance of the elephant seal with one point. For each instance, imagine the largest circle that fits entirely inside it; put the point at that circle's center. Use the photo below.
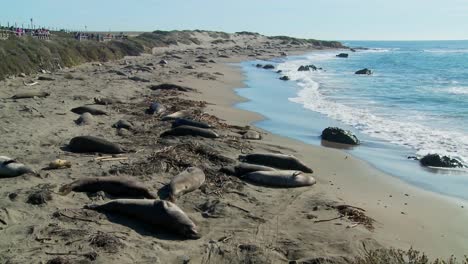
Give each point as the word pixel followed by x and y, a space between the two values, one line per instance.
pixel 115 186
pixel 190 131
pixel 106 101
pixel 178 114
pixel 123 124
pixel 87 144
pixel 252 135
pixel 85 119
pixel 160 214
pixel 188 122
pixel 30 94
pixel 11 168
pixel 155 108
pixel 188 180
pixel 280 161
pixel 244 168
pixel 88 109
pixel 280 178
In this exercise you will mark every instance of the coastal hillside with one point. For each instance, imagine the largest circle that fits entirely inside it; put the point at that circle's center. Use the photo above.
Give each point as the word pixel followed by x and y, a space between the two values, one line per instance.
pixel 29 55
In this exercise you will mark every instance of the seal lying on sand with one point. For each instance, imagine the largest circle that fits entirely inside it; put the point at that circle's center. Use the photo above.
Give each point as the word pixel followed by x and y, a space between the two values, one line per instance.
pixel 30 94
pixel 106 101
pixel 160 214
pixel 155 108
pixel 188 122
pixel 115 186
pixel 87 144
pixel 244 168
pixel 190 131
pixel 252 135
pixel 280 178
pixel 11 168
pixel 178 114
pixel 188 180
pixel 85 119
pixel 88 109
pixel 280 161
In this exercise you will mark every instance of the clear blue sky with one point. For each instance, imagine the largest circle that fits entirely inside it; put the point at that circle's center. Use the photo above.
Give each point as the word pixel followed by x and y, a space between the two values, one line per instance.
pixel 323 19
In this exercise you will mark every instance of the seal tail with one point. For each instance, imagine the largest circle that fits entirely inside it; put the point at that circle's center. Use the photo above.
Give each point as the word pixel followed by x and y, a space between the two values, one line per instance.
pixel 65 189
pixel 171 197
pixel 94 207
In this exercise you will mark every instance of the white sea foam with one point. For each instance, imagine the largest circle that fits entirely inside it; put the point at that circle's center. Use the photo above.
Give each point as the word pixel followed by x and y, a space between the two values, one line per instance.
pixel 407 133
pixel 457 90
pixel 443 51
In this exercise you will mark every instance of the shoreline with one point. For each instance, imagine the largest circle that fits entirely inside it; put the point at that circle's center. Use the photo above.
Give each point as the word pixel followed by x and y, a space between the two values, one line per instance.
pixel 433 237
pixel 277 224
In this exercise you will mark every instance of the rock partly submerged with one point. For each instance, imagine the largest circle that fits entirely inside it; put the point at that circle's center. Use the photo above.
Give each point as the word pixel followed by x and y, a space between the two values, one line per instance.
pixel 338 135
pixel 442 161
pixel 364 71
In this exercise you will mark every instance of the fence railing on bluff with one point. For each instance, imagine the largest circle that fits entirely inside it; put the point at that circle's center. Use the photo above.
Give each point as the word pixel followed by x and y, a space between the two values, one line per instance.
pixel 6 34
pixel 45 35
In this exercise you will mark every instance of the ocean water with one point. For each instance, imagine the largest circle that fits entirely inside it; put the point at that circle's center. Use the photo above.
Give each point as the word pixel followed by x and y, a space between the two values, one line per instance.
pixel 415 103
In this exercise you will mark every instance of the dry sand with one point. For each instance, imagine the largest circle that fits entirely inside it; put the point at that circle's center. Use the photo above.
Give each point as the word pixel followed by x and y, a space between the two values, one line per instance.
pixel 240 222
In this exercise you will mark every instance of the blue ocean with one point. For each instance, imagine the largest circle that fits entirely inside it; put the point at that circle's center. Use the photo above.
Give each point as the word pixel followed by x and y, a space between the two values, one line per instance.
pixel 414 103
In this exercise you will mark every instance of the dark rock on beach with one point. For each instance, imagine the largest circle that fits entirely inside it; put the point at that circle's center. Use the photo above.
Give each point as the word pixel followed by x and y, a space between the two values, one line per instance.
pixel 437 160
pixel 364 72
pixel 338 135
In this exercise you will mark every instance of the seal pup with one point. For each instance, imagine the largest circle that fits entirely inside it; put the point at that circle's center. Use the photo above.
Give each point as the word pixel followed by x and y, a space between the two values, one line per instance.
pixel 88 144
pixel 160 214
pixel 113 185
pixel 30 94
pixel 88 109
pixel 11 168
pixel 188 180
pixel 178 114
pixel 280 178
pixel 85 119
pixel 280 161
pixel 155 108
pixel 190 131
pixel 188 122
pixel 244 168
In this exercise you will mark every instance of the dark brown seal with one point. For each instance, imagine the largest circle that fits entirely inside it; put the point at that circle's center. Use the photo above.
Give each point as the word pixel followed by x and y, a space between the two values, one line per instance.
pixel 280 161
pixel 115 186
pixel 190 131
pixel 160 214
pixel 89 144
pixel 88 109
pixel 30 94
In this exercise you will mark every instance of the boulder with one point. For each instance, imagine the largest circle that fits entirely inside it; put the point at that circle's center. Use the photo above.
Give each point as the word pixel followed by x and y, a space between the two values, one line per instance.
pixel 284 78
pixel 364 71
pixel 342 55
pixel 259 65
pixel 307 68
pixel 437 160
pixel 268 67
pixel 338 135
pixel 352 50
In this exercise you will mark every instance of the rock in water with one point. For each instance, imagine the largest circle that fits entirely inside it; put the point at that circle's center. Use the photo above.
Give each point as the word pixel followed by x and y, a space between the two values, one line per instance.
pixel 190 131
pixel 307 68
pixel 342 55
pixel 268 67
pixel 364 72
pixel 338 135
pixel 280 178
pixel 436 160
pixel 284 78
pixel 89 144
pixel 279 161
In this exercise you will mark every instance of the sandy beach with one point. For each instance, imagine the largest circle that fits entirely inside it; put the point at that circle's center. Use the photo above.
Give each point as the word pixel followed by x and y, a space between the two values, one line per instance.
pixel 239 222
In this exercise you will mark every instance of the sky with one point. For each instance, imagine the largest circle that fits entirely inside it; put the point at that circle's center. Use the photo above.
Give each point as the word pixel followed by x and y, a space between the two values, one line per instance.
pixel 320 19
